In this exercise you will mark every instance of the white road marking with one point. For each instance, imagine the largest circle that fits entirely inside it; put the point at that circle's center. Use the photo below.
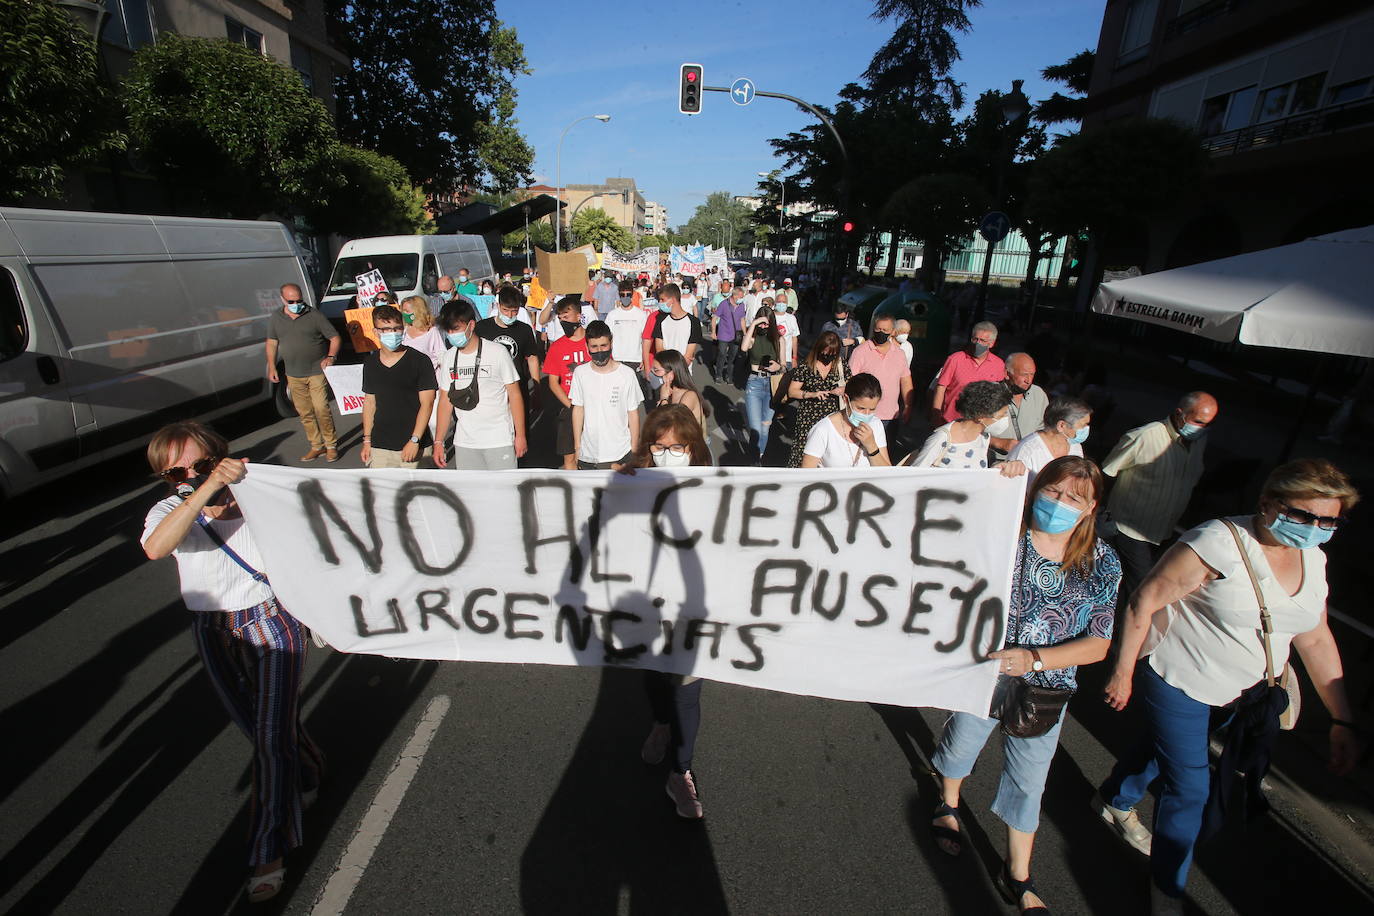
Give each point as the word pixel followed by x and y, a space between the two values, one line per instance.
pixel 341 884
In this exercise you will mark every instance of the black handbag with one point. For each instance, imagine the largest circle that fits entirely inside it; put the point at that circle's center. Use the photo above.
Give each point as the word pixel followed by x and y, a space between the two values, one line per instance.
pixel 467 398
pixel 1027 710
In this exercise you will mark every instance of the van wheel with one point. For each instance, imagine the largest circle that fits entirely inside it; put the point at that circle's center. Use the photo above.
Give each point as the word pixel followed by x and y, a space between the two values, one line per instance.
pixel 281 400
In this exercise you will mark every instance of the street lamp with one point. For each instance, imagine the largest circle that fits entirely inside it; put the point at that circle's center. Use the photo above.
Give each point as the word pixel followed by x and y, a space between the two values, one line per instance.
pixel 1015 106
pixel 558 179
pixel 782 212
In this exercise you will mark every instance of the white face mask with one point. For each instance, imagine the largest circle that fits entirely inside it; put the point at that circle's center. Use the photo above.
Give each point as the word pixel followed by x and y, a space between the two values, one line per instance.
pixel 669 460
pixel 1001 429
pixel 901 338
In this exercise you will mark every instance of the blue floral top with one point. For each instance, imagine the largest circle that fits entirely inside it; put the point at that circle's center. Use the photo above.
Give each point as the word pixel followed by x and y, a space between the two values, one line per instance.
pixel 1049 607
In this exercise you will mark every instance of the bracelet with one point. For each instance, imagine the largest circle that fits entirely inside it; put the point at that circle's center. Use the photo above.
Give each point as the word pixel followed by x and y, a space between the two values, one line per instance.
pixel 870 454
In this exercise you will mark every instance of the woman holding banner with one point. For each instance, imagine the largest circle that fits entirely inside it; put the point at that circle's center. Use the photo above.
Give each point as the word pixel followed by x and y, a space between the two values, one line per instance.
pixel 253 650
pixel 1063 603
pixel 671 438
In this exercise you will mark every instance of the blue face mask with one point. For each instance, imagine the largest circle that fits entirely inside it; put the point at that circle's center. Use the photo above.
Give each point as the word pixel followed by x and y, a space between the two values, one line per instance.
pixel 1293 534
pixel 458 339
pixel 392 339
pixel 446 295
pixel 1189 431
pixel 1081 436
pixel 665 306
pixel 859 419
pixel 1053 517
pixel 295 308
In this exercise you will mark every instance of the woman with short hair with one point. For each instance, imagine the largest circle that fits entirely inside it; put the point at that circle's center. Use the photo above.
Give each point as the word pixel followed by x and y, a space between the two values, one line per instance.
pixel 852 437
pixel 1063 433
pixel 1193 643
pixel 963 444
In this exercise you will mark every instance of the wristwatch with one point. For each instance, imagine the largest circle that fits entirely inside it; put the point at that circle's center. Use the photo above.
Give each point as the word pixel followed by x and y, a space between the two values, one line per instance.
pixel 415 439
pixel 1036 665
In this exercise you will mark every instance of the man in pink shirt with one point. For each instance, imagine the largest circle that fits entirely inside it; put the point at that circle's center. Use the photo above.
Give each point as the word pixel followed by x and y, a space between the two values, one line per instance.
pixel 883 358
pixel 976 364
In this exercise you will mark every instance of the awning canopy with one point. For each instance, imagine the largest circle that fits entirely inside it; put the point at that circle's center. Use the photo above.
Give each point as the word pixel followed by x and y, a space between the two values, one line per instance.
pixel 1316 295
pixel 512 218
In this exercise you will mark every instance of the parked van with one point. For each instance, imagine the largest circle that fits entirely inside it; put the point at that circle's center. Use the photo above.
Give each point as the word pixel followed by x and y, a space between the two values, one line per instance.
pixel 410 264
pixel 113 325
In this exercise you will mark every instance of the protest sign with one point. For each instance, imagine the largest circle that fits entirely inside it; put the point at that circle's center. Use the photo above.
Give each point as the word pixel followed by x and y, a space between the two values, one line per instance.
pixel 687 259
pixel 369 285
pixel 347 384
pixel 360 330
pixel 561 274
pixel 646 259
pixel 882 585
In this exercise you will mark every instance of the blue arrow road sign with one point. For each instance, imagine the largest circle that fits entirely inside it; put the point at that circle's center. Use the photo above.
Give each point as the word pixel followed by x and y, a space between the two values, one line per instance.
pixel 742 91
pixel 994 226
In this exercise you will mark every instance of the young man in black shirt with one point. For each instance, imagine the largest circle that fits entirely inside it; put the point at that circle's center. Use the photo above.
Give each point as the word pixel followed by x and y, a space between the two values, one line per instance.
pixel 398 389
pixel 506 327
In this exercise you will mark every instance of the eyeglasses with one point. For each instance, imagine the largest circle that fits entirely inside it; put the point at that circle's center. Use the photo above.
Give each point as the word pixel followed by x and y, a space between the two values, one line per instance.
pixel 1303 517
pixel 202 467
pixel 675 450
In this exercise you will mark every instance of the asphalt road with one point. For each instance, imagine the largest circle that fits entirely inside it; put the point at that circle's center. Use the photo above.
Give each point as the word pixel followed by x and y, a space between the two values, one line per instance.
pixel 124 785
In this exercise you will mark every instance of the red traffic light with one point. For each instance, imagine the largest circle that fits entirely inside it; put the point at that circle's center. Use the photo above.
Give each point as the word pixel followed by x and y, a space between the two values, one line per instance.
pixel 848 226
pixel 689 89
pixel 691 76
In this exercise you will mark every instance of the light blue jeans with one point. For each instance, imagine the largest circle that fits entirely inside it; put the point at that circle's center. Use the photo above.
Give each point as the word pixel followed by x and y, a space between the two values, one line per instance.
pixel 1026 764
pixel 758 407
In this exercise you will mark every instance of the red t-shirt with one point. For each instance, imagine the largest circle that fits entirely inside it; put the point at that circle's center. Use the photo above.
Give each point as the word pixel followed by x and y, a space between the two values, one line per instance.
pixel 650 323
pixel 565 355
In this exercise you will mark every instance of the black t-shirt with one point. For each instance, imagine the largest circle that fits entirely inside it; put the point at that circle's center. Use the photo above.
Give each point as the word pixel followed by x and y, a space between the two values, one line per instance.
pixel 677 333
pixel 397 390
pixel 518 339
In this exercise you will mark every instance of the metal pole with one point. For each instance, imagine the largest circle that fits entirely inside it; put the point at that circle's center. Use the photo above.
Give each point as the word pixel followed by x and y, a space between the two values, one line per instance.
pixel 526 210
pixel 558 179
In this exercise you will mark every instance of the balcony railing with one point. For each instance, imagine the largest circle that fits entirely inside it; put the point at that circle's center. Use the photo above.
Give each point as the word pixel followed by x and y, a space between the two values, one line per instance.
pixel 1198 16
pixel 1297 127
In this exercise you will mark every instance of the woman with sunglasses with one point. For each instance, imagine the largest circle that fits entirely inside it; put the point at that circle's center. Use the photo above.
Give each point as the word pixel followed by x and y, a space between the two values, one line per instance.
pixel 671 438
pixel 677 386
pixel 1192 644
pixel 253 650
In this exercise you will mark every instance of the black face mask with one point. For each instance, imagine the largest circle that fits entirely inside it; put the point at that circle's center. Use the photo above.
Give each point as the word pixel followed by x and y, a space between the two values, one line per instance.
pixel 880 337
pixel 602 357
pixel 828 357
pixel 1011 386
pixel 569 327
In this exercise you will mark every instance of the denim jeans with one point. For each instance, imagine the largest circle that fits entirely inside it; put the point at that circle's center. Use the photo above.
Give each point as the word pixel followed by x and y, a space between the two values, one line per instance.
pixel 727 351
pixel 1174 748
pixel 1025 766
pixel 758 407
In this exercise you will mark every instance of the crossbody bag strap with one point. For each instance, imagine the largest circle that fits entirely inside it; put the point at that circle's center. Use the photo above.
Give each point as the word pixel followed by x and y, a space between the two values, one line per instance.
pixel 1266 625
pixel 213 535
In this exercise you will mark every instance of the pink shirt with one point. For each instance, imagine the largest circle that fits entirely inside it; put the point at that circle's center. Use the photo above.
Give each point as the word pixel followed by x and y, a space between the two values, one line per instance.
pixel 889 368
pixel 960 369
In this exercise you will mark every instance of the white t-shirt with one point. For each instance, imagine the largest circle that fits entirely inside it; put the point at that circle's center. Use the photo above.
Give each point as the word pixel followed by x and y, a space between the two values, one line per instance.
pixel 489 424
pixel 1034 454
pixel 836 451
pixel 627 334
pixel 606 399
pixel 677 333
pixel 210 580
pixel 906 349
pixel 791 332
pixel 1209 644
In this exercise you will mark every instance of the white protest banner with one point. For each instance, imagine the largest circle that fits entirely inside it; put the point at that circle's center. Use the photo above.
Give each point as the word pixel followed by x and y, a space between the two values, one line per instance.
pixel 687 259
pixel 369 285
pixel 347 384
pixel 884 585
pixel 646 259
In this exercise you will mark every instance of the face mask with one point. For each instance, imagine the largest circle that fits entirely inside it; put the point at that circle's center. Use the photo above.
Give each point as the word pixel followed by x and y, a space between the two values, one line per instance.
pixel 407 317
pixel 901 338
pixel 601 358
pixel 1000 429
pixel 295 308
pixel 507 320
pixel 626 299
pixel 880 337
pixel 458 339
pixel 391 339
pixel 1052 516
pixel 1292 534
pixel 462 278
pixel 1080 437
pixel 1189 431
pixel 859 419
pixel 569 327
pixel 979 348
pixel 1014 388
pixel 779 306
pixel 665 306
pixel 669 460
pixel 828 357
pixel 446 295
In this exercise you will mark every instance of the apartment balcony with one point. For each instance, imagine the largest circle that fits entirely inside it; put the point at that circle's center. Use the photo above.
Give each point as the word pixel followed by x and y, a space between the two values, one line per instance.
pixel 1330 120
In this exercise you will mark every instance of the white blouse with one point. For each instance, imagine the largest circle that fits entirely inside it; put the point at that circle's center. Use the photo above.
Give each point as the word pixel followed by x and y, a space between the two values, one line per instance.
pixel 1209 644
pixel 1035 454
pixel 210 580
pixel 939 451
pixel 837 451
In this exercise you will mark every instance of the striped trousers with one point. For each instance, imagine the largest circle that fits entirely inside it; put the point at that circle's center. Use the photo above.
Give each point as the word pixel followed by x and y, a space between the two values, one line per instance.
pixel 256 661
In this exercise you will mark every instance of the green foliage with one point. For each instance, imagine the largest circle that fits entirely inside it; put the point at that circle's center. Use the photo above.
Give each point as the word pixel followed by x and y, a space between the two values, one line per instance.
pixel 1114 176
pixel 912 68
pixel 1075 74
pixel 235 133
pixel 541 236
pixel 432 85
pixel 595 227
pixel 374 197
pixel 940 209
pixel 654 241
pixel 54 106
pixel 712 218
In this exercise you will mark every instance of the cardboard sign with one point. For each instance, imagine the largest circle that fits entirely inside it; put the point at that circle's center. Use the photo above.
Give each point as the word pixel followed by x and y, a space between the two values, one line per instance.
pixel 563 273
pixel 347 384
pixel 885 585
pixel 360 330
pixel 369 285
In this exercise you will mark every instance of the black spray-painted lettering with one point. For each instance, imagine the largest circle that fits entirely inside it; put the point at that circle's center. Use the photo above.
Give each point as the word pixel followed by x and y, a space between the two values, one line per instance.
pixel 801 572
pixel 923 500
pixel 580 629
pixel 699 628
pixel 594 532
pixel 722 513
pixel 818 594
pixel 667 626
pixel 966 598
pixel 879 611
pixel 990 616
pixel 489 622
pixel 511 618
pixel 616 654
pixel 407 494
pixel 317 506
pixel 853 507
pixel 434 603
pixel 530 525
pixel 746 636
pixel 919 606
pixel 393 609
pixel 751 512
pixel 807 515
pixel 683 543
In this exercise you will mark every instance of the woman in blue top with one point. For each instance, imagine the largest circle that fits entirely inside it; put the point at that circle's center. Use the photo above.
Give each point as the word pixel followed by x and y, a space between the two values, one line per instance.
pixel 1063 602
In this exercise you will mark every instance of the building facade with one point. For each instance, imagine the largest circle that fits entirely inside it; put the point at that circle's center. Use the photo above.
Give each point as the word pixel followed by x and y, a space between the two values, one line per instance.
pixel 655 219
pixel 623 202
pixel 1280 92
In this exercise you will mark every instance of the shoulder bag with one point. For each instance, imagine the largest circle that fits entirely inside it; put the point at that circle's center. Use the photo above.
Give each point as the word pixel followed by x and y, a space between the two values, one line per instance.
pixel 1027 710
pixel 468 397
pixel 1287 682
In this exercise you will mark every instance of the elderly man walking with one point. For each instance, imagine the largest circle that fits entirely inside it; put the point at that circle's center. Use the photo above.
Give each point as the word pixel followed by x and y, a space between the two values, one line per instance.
pixel 306 343
pixel 977 363
pixel 1156 467
pixel 1026 413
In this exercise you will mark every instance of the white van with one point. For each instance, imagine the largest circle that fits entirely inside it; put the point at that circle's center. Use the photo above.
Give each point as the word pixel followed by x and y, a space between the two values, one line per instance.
pixel 113 325
pixel 410 264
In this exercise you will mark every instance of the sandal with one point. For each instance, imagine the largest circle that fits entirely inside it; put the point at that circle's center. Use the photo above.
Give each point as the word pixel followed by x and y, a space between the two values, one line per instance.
pixel 265 887
pixel 946 834
pixel 1012 891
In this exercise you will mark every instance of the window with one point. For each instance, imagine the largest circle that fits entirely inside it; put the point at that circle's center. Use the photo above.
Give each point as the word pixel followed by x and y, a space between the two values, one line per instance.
pixel 130 24
pixel 1347 92
pixel 429 280
pixel 1230 111
pixel 1290 98
pixel 13 329
pixel 300 62
pixel 240 34
pixel 397 269
pixel 1137 31
pixel 908 259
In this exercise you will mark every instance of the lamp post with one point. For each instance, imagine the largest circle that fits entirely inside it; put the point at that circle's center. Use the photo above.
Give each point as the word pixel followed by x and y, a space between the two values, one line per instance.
pixel 1014 108
pixel 782 212
pixel 558 179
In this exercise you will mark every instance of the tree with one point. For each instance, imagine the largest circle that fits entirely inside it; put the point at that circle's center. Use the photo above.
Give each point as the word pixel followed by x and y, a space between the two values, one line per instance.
pixel 233 133
pixel 55 108
pixel 541 236
pixel 720 219
pixel 595 227
pixel 941 210
pixel 432 85
pixel 375 197
pixel 912 68
pixel 654 241
pixel 1075 74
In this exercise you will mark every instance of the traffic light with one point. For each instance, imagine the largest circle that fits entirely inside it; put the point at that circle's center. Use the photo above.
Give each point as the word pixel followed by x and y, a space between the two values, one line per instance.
pixel 847 227
pixel 689 91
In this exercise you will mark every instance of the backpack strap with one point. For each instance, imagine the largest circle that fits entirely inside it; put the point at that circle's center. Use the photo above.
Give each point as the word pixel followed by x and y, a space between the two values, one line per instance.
pixel 213 535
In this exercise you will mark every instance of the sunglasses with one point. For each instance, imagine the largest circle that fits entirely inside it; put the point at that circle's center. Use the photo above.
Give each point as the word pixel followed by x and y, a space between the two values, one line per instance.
pixel 1303 517
pixel 202 467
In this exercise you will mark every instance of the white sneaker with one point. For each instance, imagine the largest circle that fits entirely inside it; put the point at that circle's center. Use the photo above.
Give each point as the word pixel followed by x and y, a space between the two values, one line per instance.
pixel 682 789
pixel 1126 823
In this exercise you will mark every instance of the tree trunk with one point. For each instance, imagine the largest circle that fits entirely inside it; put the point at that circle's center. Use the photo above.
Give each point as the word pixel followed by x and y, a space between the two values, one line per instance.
pixel 891 271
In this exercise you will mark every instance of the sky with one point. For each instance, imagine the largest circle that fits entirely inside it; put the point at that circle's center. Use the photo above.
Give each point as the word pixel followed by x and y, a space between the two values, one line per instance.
pixel 622 59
